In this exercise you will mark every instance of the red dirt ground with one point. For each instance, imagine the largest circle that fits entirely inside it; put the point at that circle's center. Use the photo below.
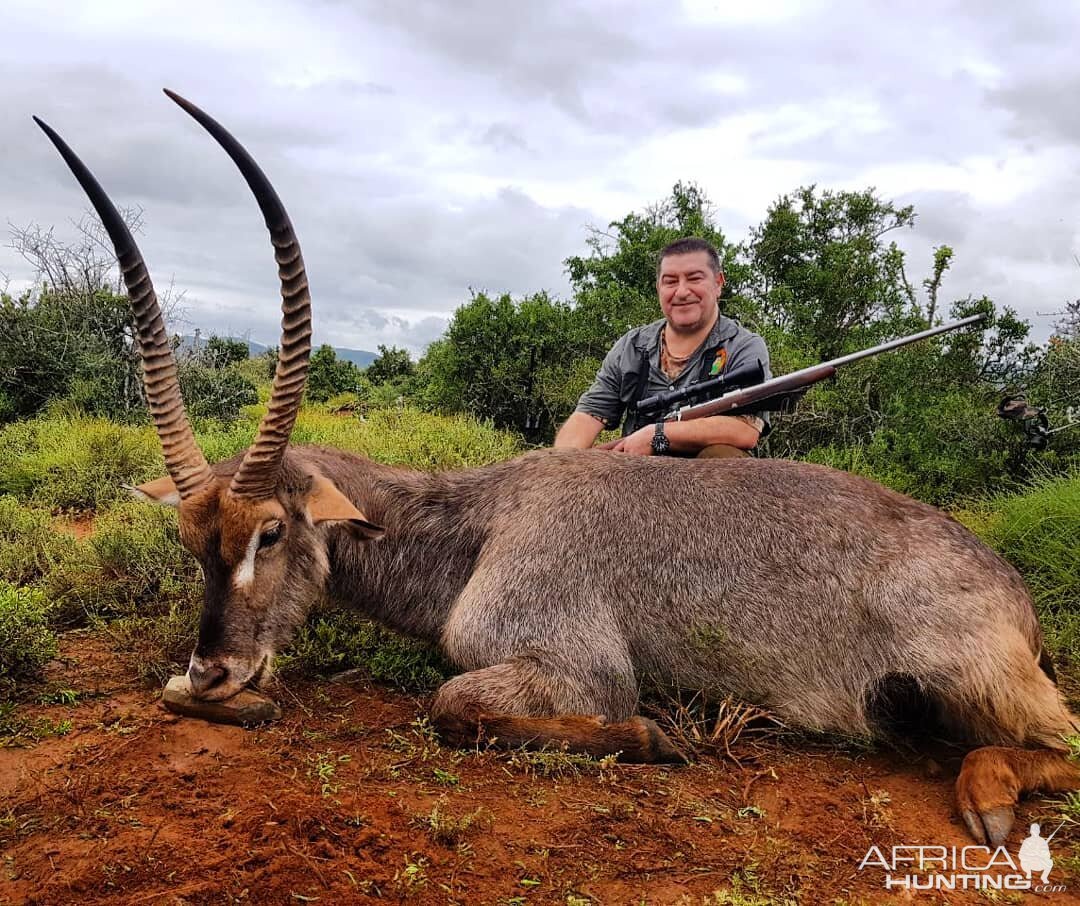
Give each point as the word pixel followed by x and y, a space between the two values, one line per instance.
pixel 334 804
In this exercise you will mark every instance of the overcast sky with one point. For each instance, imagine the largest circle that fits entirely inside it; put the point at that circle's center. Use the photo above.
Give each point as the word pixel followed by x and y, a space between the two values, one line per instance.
pixel 425 148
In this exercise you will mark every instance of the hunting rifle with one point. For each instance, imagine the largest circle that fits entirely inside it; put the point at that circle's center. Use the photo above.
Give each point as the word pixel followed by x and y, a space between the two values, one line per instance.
pixel 742 391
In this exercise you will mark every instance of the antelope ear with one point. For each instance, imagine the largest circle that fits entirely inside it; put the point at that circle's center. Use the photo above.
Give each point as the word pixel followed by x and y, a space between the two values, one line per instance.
pixel 160 490
pixel 326 503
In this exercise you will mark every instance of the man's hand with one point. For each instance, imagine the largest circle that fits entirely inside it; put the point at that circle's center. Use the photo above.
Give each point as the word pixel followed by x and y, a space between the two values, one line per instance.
pixel 640 442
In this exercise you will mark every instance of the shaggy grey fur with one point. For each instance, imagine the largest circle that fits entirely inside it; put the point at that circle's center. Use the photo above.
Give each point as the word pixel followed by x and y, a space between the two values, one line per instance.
pixel 569 579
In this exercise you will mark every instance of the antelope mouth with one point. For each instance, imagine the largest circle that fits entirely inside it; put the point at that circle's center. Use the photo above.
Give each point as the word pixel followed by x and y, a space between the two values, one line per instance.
pixel 239 675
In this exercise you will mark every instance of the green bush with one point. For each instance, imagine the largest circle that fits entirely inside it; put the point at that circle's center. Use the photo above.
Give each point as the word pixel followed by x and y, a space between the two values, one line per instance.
pixel 27 641
pixel 133 564
pixel 64 460
pixel 1039 533
pixel 328 375
pixel 73 342
pixel 218 393
pixel 30 547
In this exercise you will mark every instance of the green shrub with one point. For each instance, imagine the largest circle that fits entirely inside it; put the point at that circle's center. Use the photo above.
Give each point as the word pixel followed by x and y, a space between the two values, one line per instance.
pixel 133 564
pixel 331 642
pixel 27 641
pixel 70 341
pixel 64 460
pixel 29 545
pixel 1039 533
pixel 328 375
pixel 215 392
pixel 409 437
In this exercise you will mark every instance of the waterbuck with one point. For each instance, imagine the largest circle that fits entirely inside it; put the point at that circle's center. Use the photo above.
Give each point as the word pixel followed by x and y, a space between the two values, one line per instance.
pixel 561 582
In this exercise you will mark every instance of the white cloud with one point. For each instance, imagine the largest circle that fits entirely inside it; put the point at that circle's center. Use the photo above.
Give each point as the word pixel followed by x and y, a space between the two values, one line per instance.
pixel 427 149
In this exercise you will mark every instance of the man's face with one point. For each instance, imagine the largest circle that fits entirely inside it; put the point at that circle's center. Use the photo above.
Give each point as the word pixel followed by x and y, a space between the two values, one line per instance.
pixel 689 291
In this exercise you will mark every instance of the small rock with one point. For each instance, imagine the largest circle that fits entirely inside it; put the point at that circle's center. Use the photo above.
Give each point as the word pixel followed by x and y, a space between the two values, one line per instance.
pixel 245 708
pixel 347 676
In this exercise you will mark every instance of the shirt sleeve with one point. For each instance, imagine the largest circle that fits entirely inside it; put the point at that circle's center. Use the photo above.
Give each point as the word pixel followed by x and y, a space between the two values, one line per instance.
pixel 752 349
pixel 603 400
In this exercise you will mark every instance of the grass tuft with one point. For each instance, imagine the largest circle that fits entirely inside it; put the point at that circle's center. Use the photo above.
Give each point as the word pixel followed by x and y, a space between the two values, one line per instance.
pixel 132 565
pixel 699 727
pixel 1038 532
pixel 27 642
pixel 157 647
pixel 75 462
pixel 30 547
pixel 447 828
pixel 332 642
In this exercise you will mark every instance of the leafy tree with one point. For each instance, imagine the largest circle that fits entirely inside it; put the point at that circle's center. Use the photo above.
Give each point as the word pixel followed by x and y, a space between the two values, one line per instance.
pixel 220 352
pixel 1055 383
pixel 390 364
pixel 503 360
pixel 821 270
pixel 328 375
pixel 923 418
pixel 615 284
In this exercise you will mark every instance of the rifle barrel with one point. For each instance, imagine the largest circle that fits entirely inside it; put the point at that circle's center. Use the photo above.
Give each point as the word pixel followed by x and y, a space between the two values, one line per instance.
pixel 890 344
pixel 814 373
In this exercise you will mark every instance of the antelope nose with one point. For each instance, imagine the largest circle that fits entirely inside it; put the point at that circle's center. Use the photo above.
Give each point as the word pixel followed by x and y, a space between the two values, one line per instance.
pixel 204 678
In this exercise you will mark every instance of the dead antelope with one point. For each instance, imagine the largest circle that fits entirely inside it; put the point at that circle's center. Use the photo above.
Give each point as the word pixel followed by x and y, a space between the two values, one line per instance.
pixel 562 582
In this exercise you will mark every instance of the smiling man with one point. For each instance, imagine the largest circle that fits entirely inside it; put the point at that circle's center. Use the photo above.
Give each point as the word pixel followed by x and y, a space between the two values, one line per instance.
pixel 691 343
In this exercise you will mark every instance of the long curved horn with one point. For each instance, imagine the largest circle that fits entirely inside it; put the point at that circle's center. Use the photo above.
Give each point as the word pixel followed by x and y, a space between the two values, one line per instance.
pixel 184 460
pixel 257 477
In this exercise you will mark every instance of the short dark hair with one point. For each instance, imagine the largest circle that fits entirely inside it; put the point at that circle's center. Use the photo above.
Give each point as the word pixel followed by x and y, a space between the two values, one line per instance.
pixel 688 245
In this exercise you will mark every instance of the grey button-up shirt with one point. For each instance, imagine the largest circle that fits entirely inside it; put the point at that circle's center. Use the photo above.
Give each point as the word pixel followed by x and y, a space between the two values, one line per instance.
pixel 616 381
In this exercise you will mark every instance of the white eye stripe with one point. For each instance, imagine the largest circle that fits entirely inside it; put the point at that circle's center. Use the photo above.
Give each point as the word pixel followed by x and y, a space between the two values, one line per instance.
pixel 245 572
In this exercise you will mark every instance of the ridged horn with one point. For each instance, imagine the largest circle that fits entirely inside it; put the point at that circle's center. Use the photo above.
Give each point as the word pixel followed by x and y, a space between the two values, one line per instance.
pixel 184 460
pixel 257 477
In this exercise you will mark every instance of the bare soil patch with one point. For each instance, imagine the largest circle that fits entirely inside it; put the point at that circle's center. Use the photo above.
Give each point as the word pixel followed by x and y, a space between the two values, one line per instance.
pixel 78 525
pixel 350 798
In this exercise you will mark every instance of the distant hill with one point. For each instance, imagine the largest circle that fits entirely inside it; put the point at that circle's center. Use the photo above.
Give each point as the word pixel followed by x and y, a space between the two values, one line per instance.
pixel 361 358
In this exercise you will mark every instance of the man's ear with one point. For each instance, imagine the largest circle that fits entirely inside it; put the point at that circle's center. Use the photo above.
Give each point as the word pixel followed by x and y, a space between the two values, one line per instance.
pixel 160 490
pixel 326 503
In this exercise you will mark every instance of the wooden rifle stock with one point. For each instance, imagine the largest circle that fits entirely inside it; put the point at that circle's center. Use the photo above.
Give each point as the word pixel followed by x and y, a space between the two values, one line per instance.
pixel 753 399
pixel 785 389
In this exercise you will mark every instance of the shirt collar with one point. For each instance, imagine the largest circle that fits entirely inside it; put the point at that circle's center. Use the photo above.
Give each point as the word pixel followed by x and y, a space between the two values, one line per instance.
pixel 723 330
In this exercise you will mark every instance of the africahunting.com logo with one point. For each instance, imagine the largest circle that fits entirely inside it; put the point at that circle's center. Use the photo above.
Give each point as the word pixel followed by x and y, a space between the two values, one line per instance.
pixel 967 867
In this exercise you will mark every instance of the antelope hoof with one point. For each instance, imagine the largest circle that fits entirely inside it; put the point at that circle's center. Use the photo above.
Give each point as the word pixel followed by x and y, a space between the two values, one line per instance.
pixel 657 746
pixel 986 791
pixel 991 826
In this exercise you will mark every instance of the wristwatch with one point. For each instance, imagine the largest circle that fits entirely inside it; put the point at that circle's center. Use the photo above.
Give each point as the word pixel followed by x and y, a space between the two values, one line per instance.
pixel 660 442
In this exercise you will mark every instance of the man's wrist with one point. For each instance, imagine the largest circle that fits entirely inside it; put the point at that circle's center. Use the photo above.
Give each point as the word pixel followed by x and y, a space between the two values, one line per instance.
pixel 661 445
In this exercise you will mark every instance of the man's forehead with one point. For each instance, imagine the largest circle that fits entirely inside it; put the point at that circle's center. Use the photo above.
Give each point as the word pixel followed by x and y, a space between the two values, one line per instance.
pixel 681 264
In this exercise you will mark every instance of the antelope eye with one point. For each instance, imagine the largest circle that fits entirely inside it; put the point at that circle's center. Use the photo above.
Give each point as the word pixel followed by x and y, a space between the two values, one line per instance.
pixel 270 537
